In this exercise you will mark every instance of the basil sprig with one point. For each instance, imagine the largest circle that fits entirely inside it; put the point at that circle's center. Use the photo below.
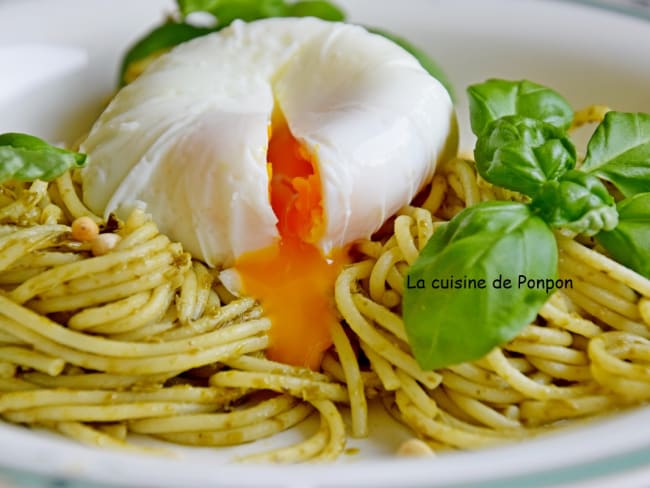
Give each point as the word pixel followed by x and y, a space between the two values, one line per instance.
pixel 28 158
pixel 522 145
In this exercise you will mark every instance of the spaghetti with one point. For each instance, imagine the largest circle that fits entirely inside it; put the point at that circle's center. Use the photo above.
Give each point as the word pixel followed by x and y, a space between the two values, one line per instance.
pixel 586 353
pixel 145 340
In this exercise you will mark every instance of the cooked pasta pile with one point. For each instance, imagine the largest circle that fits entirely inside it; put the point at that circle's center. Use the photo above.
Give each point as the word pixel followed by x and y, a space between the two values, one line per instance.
pixel 587 353
pixel 140 339
pixel 145 340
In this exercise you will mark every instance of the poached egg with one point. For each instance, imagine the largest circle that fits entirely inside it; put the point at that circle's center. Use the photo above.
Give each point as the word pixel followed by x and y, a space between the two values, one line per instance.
pixel 266 149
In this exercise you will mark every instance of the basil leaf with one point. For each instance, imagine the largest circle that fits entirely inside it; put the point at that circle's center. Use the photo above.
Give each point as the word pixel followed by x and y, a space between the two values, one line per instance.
pixel 160 39
pixel 619 151
pixel 629 242
pixel 487 241
pixel 28 158
pixel 578 202
pixel 496 98
pixel 226 11
pixel 316 8
pixel 522 154
pixel 186 7
pixel 424 59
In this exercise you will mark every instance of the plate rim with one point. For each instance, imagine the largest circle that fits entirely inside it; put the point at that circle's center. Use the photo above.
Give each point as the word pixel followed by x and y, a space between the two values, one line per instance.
pixel 638 456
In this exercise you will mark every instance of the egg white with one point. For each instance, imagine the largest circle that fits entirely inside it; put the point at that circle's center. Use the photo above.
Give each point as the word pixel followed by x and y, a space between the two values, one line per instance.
pixel 189 137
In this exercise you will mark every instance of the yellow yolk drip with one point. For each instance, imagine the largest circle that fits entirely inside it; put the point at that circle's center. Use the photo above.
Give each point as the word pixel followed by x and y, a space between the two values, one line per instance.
pixel 292 279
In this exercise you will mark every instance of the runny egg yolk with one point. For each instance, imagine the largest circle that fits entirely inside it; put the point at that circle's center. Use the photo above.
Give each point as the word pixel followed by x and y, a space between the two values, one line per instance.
pixel 292 278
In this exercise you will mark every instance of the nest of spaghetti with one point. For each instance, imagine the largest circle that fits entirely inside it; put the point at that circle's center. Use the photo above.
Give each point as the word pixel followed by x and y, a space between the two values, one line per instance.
pixel 139 338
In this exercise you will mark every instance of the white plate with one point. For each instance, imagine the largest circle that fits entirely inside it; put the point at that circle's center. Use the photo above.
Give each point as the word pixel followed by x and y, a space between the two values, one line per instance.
pixel 58 63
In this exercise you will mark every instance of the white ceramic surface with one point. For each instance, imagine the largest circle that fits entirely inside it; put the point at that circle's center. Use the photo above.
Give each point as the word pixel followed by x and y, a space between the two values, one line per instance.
pixel 58 65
